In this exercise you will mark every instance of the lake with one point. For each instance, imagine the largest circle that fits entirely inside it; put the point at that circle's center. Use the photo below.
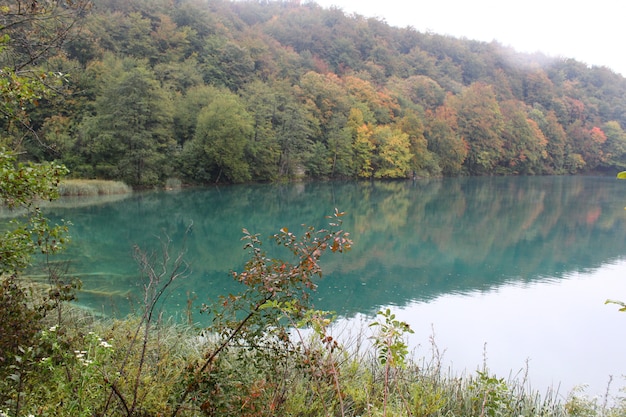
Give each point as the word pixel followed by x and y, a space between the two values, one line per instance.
pixel 514 270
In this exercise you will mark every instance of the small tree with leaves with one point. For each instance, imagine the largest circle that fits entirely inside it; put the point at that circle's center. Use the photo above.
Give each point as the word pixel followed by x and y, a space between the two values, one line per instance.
pixel 255 320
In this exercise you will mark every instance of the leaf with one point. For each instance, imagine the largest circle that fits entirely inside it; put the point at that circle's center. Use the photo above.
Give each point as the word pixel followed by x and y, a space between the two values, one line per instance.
pixel 621 175
pixel 619 303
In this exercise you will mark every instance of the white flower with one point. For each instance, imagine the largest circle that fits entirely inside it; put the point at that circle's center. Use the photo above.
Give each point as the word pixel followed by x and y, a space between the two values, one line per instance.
pixel 52 329
pixel 105 344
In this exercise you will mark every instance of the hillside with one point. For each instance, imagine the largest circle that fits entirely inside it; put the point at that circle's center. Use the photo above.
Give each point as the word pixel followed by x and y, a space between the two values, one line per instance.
pixel 220 91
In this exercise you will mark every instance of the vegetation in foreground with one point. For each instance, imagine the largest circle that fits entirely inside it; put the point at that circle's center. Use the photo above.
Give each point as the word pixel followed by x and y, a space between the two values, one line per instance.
pixel 76 365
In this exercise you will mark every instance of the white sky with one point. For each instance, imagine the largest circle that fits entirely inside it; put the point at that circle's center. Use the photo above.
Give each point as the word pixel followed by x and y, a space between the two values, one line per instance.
pixel 592 32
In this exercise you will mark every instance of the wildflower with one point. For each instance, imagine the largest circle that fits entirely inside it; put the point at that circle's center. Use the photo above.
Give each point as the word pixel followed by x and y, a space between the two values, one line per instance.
pixel 105 344
pixel 52 329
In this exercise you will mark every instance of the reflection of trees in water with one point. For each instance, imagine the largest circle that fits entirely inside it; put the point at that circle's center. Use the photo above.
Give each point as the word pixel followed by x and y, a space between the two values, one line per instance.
pixel 475 233
pixel 413 240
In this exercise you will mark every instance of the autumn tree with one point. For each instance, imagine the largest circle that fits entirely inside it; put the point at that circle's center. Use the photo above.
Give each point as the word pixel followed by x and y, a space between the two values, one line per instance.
pixel 615 145
pixel 524 143
pixel 423 161
pixel 444 142
pixel 380 103
pixel 362 144
pixel 555 139
pixel 392 153
pixel 588 143
pixel 481 125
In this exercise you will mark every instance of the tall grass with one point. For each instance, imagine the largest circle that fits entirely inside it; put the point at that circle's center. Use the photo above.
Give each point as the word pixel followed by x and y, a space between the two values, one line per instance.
pixel 79 187
pixel 85 356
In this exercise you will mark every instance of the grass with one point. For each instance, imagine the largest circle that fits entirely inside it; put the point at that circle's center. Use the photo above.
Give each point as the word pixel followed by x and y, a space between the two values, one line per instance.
pixel 80 187
pixel 91 367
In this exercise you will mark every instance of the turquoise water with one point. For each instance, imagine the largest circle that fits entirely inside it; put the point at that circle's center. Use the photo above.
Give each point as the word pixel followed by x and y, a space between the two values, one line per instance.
pixel 516 269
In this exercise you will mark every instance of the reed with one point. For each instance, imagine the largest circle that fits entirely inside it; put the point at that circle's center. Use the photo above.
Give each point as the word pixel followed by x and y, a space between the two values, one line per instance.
pixel 80 187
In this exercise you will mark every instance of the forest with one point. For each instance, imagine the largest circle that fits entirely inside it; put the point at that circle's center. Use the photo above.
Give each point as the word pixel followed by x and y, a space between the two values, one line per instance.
pixel 217 91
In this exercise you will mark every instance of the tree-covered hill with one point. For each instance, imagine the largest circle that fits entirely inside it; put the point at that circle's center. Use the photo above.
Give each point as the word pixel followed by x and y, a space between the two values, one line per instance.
pixel 232 91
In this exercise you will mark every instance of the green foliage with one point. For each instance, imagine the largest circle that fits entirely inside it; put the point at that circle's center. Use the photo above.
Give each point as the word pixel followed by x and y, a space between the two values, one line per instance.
pixel 21 186
pixel 132 127
pixel 391 347
pixel 491 396
pixel 222 136
pixel 389 341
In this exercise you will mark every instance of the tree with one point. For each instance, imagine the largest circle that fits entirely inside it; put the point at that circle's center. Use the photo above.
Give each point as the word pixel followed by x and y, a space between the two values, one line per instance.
pixel 422 160
pixel 130 136
pixel 340 150
pixel 555 136
pixel 295 127
pixel 362 145
pixel 423 90
pixel 30 32
pixel 444 142
pixel 223 133
pixel 393 154
pixel 480 124
pixel 33 30
pixel 318 162
pixel 588 142
pixel 262 102
pixel 21 185
pixel 379 103
pixel 524 144
pixel 615 146
pixel 187 108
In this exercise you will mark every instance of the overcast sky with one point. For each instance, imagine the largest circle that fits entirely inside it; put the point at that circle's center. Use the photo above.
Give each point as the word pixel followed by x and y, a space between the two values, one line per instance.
pixel 592 32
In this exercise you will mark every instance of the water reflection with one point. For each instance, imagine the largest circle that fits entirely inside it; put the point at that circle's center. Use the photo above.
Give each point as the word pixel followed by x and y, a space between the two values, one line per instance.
pixel 412 240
